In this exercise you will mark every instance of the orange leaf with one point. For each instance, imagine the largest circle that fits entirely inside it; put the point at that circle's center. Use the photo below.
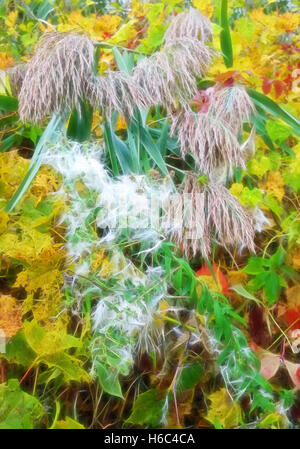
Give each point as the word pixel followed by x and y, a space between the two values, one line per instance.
pixel 221 279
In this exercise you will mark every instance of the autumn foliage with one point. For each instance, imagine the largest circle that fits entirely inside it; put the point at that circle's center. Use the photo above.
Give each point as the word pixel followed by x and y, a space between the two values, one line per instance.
pixel 106 328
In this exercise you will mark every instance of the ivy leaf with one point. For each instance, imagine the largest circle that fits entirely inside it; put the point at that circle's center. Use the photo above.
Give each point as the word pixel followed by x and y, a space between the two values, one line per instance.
pixel 148 409
pixel 108 379
pixel 223 410
pixel 51 342
pixel 18 351
pixel 18 410
pixel 68 365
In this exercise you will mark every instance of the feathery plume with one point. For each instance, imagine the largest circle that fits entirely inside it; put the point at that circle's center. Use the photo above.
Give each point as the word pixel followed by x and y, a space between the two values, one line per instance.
pixel 187 215
pixel 56 75
pixel 211 135
pixel 16 76
pixel 116 90
pixel 232 222
pixel 191 24
pixel 210 213
pixel 209 139
pixel 233 105
pixel 169 76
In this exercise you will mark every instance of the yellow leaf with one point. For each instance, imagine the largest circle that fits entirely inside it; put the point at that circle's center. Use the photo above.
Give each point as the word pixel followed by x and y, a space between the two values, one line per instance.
pixel 295 258
pixel 3 221
pixel 97 119
pixel 236 189
pixel 10 21
pixel 10 316
pixel 46 343
pixel 106 25
pixel 223 410
pixel 6 60
pixel 126 33
pixel 25 247
pixel 212 283
pixel 237 277
pixel 274 184
pixel 293 297
pixel 121 123
pixel 273 421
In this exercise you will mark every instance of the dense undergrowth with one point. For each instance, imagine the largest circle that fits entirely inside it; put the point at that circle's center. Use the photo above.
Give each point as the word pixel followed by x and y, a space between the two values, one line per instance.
pixel 142 326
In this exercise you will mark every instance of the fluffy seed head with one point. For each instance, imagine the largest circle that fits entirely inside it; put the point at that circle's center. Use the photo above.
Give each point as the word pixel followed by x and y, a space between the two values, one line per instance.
pixel 169 76
pixel 116 90
pixel 210 214
pixel 209 139
pixel 233 105
pixel 16 77
pixel 211 135
pixel 191 24
pixel 56 75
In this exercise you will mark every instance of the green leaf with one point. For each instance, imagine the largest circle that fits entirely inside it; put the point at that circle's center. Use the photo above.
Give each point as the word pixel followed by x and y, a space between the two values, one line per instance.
pixel 45 342
pixel 225 38
pixel 124 61
pixel 240 290
pixel 272 287
pixel 80 123
pixel 189 377
pixel 278 131
pixel 69 366
pixel 148 409
pixel 110 148
pixel 18 410
pixel 9 142
pixel 122 152
pixel 68 423
pixel 255 265
pixel 49 135
pixel 108 379
pixel 278 258
pixel 18 351
pixel 148 143
pixel 8 103
pixel 271 202
pixel 273 108
pixel 258 282
pixel 258 120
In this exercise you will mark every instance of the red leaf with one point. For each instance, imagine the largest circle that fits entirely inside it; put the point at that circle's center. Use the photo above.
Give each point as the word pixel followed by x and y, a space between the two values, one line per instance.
pixel 279 88
pixel 266 86
pixel 293 316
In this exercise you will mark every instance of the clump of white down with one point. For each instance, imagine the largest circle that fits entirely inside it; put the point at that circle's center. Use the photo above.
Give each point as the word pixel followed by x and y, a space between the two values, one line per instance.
pixel 120 203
